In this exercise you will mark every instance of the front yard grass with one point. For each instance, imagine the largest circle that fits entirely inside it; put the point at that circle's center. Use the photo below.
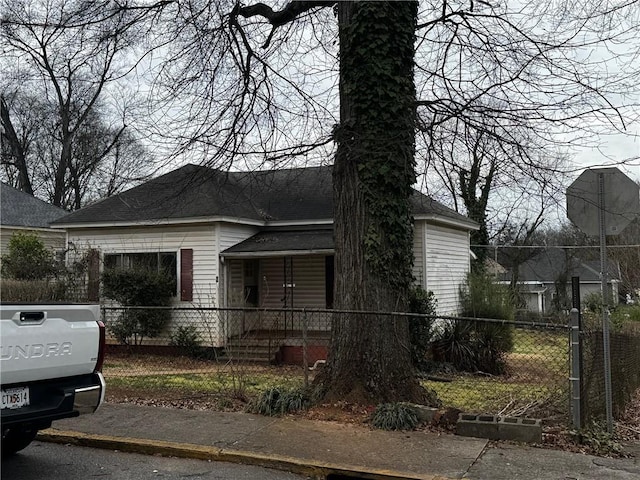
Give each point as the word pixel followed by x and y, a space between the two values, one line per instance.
pixel 496 396
pixel 188 384
pixel 536 381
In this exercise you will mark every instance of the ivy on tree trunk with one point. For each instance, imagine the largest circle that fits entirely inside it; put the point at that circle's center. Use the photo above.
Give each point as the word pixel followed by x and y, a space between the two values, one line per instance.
pixel 369 356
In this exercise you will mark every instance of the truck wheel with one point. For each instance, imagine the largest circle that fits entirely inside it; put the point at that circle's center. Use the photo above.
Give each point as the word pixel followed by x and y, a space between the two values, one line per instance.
pixel 16 439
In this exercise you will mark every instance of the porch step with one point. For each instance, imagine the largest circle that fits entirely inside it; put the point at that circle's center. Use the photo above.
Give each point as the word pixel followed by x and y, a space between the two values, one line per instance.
pixel 261 346
pixel 249 359
pixel 251 351
pixel 253 342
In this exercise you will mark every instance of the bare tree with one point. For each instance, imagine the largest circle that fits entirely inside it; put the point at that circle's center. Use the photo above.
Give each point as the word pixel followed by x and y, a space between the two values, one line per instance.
pixel 624 250
pixel 69 52
pixel 104 160
pixel 14 157
pixel 494 182
pixel 494 130
pixel 263 83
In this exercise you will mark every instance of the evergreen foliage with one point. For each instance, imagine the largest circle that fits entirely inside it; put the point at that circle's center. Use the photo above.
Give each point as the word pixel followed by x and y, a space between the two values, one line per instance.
pixel 187 339
pixel 276 401
pixel 394 416
pixel 138 288
pixel 28 258
pixel 480 346
pixel 420 327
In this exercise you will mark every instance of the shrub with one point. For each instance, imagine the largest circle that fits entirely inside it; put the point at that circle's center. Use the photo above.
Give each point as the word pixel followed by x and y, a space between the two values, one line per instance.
pixel 187 339
pixel 595 435
pixel 480 346
pixel 28 258
pixel 482 297
pixel 592 302
pixel 475 346
pixel 624 315
pixel 276 401
pixel 424 303
pixel 630 313
pixel 138 288
pixel 394 416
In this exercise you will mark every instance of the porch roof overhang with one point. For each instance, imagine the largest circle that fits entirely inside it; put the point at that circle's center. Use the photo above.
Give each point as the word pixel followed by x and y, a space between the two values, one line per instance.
pixel 283 243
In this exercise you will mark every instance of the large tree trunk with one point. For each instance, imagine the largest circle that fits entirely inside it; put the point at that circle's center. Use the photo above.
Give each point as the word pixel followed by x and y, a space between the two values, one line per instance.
pixel 374 170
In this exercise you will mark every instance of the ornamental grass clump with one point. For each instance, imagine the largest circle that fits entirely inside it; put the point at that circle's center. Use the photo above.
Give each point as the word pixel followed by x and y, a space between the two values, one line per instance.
pixel 277 401
pixel 394 416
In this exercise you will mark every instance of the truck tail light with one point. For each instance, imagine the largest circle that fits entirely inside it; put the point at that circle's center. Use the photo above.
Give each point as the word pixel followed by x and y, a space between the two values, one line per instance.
pixel 102 347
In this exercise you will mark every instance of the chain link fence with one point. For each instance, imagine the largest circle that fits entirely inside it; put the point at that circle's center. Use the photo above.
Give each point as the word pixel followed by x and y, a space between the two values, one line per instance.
pixel 225 357
pixel 625 371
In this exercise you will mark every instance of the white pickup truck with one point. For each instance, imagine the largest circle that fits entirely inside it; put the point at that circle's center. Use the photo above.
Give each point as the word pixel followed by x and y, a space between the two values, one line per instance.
pixel 50 362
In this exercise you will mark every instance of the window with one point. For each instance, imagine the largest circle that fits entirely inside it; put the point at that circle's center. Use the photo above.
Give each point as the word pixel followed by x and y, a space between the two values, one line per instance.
pixel 165 262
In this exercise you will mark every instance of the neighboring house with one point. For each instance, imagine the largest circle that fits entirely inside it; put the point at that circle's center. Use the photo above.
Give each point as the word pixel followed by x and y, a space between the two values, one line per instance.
pixel 544 281
pixel 262 239
pixel 21 212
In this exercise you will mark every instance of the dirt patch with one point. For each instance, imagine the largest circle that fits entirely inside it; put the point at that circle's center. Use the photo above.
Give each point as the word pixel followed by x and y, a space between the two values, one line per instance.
pixel 342 412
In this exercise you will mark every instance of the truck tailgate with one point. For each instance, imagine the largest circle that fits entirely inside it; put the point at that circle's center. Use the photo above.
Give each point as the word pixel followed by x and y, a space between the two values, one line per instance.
pixel 41 342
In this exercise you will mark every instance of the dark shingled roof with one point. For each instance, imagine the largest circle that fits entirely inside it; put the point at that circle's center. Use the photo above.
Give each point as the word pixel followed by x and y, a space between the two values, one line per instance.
pixel 302 194
pixel 285 241
pixel 550 264
pixel 19 209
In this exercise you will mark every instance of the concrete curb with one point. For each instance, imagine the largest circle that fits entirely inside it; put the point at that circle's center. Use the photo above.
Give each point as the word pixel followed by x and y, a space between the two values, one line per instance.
pixel 314 469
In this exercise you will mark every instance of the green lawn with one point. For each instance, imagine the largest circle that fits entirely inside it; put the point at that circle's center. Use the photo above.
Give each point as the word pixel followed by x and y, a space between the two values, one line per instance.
pixel 477 395
pixel 537 378
pixel 201 383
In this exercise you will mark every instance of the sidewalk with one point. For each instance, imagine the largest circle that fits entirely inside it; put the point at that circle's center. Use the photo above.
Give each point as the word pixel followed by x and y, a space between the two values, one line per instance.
pixel 325 449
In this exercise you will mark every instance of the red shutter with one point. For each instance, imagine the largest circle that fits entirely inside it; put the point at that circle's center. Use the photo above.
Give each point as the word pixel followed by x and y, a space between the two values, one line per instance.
pixel 186 274
pixel 93 287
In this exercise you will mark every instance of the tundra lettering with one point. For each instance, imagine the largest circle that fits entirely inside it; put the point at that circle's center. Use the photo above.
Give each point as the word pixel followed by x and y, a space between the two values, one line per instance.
pixel 37 350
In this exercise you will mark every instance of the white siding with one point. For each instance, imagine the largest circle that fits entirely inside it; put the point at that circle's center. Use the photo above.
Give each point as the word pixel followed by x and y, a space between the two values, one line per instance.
pixel 447 265
pixel 309 280
pixel 202 239
pixel 162 238
pixel 418 253
pixel 309 276
pixel 228 235
pixel 54 240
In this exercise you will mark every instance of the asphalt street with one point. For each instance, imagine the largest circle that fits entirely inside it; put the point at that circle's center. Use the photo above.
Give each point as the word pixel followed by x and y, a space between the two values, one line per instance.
pixel 47 461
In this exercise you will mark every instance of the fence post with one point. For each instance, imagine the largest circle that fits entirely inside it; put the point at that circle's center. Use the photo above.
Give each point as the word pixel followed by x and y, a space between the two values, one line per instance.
pixel 607 369
pixel 305 363
pixel 574 328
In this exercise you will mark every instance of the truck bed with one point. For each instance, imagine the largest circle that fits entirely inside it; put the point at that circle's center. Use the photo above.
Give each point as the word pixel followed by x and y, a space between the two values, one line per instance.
pixel 50 361
pixel 43 342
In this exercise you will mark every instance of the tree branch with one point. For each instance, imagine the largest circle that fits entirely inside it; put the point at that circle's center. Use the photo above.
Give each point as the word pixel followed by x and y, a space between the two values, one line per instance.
pixel 281 17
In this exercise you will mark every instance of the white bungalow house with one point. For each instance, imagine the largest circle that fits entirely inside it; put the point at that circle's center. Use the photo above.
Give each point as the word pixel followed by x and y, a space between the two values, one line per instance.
pixel 262 239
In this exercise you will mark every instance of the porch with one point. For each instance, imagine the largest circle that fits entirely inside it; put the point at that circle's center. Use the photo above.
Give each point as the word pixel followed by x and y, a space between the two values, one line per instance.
pixel 291 347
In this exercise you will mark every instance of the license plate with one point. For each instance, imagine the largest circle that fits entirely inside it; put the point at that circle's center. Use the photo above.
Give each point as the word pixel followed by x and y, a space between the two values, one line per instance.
pixel 15 397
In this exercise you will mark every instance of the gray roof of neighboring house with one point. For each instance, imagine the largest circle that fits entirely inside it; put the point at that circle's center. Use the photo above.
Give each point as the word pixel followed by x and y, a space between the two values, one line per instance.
pixel 550 264
pixel 19 209
pixel 192 191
